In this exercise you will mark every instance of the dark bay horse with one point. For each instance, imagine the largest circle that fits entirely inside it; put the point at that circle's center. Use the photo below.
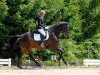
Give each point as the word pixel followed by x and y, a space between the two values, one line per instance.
pixel 26 42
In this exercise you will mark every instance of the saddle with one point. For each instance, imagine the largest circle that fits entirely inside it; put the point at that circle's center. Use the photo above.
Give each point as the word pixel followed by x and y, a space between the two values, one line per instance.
pixel 37 36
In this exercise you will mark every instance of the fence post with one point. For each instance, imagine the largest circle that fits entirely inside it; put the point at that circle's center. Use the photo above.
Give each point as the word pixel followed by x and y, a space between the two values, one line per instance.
pixel 9 62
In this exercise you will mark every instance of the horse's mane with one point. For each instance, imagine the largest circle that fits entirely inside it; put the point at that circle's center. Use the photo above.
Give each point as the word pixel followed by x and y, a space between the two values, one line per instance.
pixel 58 24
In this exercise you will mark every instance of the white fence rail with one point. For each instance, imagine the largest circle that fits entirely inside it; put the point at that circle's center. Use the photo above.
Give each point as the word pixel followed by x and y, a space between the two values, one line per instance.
pixel 88 62
pixel 5 62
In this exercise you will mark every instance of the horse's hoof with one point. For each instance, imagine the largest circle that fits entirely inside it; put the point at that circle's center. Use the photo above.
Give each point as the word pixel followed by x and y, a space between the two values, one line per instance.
pixel 40 66
pixel 20 67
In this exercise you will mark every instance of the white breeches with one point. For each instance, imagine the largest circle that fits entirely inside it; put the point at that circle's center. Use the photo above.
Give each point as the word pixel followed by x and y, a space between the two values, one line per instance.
pixel 42 32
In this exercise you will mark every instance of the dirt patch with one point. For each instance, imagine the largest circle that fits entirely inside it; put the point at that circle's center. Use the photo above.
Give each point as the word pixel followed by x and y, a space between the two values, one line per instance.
pixel 50 71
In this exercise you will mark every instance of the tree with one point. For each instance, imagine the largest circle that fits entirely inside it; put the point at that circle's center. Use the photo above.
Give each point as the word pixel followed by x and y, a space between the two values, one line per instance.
pixel 3 14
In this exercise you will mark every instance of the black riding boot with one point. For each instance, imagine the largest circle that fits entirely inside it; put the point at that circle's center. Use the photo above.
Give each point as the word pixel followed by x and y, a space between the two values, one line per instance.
pixel 42 41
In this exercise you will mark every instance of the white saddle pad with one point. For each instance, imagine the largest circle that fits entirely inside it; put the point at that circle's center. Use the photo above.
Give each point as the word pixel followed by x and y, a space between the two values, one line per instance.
pixel 37 37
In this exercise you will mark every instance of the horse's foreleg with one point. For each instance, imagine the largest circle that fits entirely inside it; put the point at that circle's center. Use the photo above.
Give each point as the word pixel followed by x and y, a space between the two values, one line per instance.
pixel 59 60
pixel 33 59
pixel 60 52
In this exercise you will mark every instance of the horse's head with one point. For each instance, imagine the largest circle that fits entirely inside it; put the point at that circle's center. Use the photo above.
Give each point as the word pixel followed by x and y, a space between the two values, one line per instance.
pixel 60 27
pixel 64 27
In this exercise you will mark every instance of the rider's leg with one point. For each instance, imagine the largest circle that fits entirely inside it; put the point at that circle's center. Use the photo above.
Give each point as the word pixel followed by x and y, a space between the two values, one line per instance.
pixel 43 35
pixel 42 41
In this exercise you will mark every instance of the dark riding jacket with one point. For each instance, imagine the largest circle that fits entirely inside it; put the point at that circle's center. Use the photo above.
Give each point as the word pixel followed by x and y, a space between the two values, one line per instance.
pixel 40 24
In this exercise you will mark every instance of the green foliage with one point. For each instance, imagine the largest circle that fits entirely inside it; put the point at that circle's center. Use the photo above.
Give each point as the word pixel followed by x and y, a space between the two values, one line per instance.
pixel 3 34
pixel 51 63
pixel 3 10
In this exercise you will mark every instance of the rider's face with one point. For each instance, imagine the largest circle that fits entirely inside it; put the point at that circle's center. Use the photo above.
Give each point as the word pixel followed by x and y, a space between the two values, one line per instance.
pixel 42 14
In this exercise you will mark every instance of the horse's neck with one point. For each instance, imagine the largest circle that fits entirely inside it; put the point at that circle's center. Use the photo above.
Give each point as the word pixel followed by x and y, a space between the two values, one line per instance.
pixel 56 32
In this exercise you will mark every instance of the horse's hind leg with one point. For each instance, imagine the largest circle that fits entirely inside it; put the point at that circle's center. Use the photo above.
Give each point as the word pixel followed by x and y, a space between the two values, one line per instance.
pixel 19 54
pixel 33 59
pixel 19 62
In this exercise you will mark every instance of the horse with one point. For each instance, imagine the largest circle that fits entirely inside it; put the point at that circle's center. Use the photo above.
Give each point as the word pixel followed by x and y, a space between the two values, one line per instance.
pixel 26 42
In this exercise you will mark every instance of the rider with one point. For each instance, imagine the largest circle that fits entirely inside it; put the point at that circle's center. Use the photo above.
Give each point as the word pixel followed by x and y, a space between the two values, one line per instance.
pixel 40 26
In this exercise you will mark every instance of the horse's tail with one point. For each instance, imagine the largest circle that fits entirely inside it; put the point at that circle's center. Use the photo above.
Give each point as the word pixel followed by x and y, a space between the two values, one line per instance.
pixel 17 49
pixel 16 44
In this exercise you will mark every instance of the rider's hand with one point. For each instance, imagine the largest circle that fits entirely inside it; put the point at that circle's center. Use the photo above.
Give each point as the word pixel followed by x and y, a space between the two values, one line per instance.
pixel 47 27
